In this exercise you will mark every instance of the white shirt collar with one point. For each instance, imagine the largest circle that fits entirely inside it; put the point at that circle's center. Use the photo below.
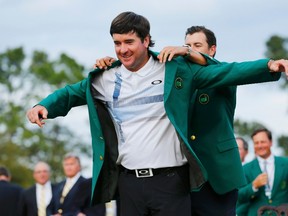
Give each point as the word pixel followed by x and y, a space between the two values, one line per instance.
pixel 269 160
pixel 74 179
pixel 146 69
pixel 47 185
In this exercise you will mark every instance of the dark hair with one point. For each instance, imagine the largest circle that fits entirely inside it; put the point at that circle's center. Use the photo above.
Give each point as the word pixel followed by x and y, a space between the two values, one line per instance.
pixel 211 39
pixel 4 171
pixel 130 22
pixel 265 130
pixel 245 143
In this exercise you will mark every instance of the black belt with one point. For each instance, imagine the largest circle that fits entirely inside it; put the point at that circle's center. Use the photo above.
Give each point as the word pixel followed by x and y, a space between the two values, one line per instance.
pixel 149 172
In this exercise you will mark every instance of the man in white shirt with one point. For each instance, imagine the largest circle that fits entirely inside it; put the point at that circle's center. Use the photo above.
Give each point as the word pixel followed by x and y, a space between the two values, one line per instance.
pixel 67 188
pixel 42 192
pixel 157 170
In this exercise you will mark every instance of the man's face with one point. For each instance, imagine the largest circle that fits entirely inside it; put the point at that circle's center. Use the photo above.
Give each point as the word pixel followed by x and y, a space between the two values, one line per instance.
pixel 71 167
pixel 241 149
pixel 131 51
pixel 198 42
pixel 41 174
pixel 262 145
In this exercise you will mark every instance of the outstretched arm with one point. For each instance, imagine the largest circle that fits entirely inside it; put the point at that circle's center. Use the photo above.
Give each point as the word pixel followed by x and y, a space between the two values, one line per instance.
pixel 170 52
pixel 165 55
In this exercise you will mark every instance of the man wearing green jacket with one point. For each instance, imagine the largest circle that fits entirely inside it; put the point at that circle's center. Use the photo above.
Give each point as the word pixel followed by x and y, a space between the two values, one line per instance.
pixel 140 115
pixel 221 189
pixel 212 138
pixel 267 177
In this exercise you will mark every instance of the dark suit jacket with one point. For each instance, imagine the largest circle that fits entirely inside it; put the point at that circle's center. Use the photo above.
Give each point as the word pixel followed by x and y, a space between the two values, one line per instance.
pixel 253 200
pixel 9 198
pixel 66 207
pixel 82 201
pixel 28 202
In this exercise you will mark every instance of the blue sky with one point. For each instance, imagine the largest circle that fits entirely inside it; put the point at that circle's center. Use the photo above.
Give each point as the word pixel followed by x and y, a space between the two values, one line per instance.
pixel 81 30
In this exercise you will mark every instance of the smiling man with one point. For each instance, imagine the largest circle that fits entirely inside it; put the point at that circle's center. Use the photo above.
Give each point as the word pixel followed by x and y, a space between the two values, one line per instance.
pixel 267 176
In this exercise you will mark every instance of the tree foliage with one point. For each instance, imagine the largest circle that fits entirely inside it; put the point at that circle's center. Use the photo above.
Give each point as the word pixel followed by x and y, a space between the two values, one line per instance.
pixel 23 82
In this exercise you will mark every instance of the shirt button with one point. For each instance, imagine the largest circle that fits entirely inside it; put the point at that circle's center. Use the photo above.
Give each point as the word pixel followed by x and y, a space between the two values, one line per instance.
pixel 193 137
pixel 101 157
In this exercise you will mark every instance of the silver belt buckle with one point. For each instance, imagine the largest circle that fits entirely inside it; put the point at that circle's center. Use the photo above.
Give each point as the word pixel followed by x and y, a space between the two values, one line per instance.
pixel 142 173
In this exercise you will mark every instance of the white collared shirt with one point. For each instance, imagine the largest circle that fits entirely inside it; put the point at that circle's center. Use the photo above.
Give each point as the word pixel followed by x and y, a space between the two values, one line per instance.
pixel 74 179
pixel 270 168
pixel 48 192
pixel 135 100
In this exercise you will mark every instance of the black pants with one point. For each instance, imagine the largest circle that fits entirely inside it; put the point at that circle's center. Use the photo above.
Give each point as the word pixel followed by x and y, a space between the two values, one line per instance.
pixel 207 202
pixel 164 194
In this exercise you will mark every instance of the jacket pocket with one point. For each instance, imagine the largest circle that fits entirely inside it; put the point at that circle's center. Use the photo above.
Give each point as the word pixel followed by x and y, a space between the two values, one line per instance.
pixel 227 145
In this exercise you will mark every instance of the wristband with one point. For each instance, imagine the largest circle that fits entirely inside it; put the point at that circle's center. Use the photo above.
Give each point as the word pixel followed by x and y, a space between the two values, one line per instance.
pixel 189 51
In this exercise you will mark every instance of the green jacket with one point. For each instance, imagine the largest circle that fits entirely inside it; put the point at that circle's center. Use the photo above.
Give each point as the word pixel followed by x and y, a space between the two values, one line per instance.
pixel 251 200
pixel 182 78
pixel 212 138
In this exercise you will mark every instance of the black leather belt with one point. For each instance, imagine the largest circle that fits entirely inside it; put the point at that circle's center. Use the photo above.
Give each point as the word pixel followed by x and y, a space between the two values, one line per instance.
pixel 149 172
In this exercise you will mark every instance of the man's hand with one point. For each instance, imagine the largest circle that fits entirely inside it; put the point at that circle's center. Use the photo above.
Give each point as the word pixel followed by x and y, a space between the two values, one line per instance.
pixel 174 51
pixel 37 114
pixel 260 180
pixel 278 66
pixel 170 52
pixel 103 63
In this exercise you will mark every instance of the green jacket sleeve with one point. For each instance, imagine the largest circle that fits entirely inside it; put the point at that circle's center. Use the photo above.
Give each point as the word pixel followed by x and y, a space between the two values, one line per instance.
pixel 62 100
pixel 231 74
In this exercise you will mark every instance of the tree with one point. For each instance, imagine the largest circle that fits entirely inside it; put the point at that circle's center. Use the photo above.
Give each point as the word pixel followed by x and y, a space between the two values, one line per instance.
pixel 23 82
pixel 245 129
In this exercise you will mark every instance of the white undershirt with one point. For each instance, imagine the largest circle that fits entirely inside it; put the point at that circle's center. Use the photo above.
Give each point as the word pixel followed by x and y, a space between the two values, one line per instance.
pixel 270 168
pixel 146 137
pixel 48 192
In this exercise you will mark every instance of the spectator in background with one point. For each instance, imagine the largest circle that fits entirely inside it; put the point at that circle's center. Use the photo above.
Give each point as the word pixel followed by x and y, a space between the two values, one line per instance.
pixel 243 148
pixel 68 190
pixel 267 176
pixel 38 199
pixel 9 193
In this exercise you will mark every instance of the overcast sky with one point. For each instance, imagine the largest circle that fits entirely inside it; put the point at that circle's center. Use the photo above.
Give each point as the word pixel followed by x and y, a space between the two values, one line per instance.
pixel 81 30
